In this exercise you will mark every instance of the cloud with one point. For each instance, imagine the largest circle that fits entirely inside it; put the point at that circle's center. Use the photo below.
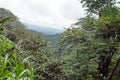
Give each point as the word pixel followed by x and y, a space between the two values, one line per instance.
pixel 72 9
pixel 51 13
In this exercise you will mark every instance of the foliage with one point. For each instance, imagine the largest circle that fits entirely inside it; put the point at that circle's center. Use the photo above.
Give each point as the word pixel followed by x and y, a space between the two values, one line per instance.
pixel 97 6
pixel 96 41
pixel 11 67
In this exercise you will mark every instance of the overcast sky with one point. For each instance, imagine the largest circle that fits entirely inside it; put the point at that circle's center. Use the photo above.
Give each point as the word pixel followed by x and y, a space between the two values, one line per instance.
pixel 51 13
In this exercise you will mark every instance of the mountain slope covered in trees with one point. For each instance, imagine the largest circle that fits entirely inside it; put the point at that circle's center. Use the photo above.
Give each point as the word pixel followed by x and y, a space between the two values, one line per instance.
pixel 44 29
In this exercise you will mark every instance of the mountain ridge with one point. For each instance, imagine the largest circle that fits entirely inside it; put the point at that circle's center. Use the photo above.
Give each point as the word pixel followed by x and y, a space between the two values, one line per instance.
pixel 44 29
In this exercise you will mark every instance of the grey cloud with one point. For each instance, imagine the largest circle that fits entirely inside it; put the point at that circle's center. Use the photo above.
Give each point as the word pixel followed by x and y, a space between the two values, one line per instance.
pixel 72 9
pixel 37 7
pixel 52 13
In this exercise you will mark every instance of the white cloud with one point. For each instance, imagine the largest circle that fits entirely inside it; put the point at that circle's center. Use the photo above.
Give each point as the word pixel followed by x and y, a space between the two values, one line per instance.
pixel 52 13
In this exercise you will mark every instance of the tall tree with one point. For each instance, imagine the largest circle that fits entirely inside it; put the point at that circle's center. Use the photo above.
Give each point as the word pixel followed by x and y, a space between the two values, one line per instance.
pixel 108 26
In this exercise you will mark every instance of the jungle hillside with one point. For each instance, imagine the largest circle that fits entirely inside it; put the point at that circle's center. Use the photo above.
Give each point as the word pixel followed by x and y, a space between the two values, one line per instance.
pixel 90 51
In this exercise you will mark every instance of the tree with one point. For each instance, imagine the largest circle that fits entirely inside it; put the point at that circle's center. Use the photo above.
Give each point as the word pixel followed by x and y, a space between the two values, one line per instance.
pixel 97 6
pixel 107 31
pixel 93 42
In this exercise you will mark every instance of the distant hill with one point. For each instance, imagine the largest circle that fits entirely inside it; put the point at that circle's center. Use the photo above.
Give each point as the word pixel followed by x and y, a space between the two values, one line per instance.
pixel 44 29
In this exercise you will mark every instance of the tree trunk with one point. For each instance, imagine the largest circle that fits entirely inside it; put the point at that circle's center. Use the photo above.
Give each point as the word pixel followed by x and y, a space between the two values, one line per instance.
pixel 113 71
pixel 104 63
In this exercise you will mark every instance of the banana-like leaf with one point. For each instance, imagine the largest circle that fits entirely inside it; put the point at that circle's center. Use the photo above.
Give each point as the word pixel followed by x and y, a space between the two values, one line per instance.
pixel 2 21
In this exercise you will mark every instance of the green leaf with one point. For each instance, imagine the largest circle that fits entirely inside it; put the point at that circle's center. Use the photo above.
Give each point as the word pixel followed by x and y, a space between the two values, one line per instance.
pixel 2 21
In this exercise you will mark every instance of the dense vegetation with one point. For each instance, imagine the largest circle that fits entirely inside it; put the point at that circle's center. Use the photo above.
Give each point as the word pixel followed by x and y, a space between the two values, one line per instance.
pixel 89 52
